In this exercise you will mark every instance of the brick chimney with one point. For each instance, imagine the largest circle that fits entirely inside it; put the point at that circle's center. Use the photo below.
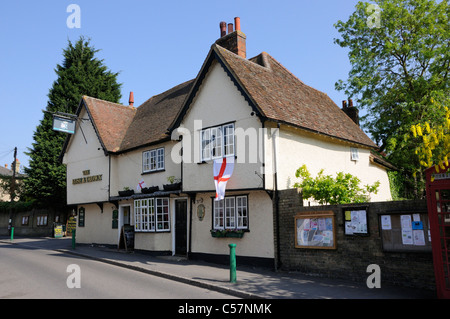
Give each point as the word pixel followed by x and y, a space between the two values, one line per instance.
pixel 351 111
pixel 131 99
pixel 234 41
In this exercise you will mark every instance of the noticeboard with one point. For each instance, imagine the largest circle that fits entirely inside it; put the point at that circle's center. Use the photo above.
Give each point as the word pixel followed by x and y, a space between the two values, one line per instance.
pixel 405 231
pixel 315 230
pixel 356 221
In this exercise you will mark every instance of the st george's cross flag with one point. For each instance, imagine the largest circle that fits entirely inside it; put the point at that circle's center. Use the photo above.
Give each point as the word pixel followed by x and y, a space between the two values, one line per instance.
pixel 140 185
pixel 223 168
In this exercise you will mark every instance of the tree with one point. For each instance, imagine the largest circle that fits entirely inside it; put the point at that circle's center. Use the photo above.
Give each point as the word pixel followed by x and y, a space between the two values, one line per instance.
pixel 344 189
pixel 80 73
pixel 433 139
pixel 398 66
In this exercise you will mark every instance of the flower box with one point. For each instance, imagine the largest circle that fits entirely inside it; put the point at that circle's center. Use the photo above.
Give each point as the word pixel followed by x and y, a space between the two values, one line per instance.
pixel 172 187
pixel 149 190
pixel 126 193
pixel 227 233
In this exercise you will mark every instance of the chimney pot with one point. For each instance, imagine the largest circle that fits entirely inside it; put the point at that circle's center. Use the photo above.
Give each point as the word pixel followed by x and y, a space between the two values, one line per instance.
pixel 131 99
pixel 237 23
pixel 344 104
pixel 350 103
pixel 230 27
pixel 6 165
pixel 223 28
pixel 234 41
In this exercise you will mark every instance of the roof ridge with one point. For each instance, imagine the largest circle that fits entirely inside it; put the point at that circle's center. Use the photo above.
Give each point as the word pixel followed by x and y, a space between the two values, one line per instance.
pixel 263 54
pixel 95 98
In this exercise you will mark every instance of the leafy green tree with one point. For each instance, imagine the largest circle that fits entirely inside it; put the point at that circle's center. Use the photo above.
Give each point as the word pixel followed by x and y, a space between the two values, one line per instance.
pixel 399 65
pixel 344 189
pixel 80 73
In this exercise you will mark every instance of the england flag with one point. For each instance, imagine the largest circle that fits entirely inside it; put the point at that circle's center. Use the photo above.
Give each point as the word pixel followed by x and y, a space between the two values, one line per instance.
pixel 223 168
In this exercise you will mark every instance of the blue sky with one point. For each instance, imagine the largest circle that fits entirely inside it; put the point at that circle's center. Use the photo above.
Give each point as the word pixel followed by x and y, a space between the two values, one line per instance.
pixel 155 45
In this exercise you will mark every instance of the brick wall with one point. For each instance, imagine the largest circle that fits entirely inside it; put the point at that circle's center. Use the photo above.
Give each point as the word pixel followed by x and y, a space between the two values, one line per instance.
pixel 353 254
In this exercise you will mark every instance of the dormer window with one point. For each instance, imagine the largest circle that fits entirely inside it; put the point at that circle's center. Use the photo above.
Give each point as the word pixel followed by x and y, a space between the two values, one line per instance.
pixel 217 142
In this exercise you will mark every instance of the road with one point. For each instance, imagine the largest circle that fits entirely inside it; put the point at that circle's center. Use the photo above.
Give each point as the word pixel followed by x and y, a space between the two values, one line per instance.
pixel 29 272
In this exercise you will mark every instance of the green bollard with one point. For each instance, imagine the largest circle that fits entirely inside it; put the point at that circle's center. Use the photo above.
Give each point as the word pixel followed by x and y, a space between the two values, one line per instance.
pixel 73 239
pixel 232 262
pixel 12 233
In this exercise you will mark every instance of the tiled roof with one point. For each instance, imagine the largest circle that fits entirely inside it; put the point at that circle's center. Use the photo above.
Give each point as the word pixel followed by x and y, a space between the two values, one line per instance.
pixel 111 121
pixel 7 172
pixel 275 93
pixel 280 96
pixel 154 116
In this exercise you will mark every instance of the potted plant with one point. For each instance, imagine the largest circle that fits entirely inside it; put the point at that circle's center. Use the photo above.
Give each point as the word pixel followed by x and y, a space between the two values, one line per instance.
pixel 175 184
pixel 126 192
pixel 149 190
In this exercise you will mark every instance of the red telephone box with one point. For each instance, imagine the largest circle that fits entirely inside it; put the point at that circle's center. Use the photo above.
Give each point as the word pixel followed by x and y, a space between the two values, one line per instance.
pixel 438 199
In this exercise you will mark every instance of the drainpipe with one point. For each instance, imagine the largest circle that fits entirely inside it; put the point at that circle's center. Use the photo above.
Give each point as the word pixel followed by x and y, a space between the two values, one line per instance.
pixel 192 199
pixel 276 199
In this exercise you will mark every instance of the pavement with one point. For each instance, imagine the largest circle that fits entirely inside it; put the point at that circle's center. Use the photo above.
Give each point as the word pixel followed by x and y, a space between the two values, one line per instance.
pixel 252 283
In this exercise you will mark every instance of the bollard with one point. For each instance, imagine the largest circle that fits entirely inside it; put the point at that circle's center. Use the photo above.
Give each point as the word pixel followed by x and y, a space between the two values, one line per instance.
pixel 12 233
pixel 232 262
pixel 73 239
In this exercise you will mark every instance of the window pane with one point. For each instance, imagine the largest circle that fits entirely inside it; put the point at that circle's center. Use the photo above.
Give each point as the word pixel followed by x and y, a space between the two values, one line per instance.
pixel 228 136
pixel 218 214
pixel 145 161
pixel 242 212
pixel 162 214
pixel 152 160
pixel 160 158
pixel 206 144
pixel 151 214
pixel 216 139
pixel 230 218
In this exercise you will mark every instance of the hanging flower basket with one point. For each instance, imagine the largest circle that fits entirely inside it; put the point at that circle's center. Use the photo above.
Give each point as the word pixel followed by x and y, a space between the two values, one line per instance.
pixel 228 233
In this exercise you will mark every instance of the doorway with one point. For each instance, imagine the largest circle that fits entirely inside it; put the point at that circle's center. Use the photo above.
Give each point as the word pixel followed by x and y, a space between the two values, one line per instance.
pixel 125 227
pixel 181 227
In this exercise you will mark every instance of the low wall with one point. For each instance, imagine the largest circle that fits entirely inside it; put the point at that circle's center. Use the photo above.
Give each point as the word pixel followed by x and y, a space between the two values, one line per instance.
pixel 353 254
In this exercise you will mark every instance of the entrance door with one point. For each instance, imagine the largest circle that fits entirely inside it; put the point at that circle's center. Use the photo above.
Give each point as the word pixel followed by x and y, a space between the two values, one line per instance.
pixel 181 227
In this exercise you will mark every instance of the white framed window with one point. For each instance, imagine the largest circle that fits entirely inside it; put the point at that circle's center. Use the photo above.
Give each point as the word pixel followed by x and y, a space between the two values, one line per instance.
pixel 228 139
pixel 151 214
pixel 162 214
pixel 153 160
pixel 231 213
pixel 42 220
pixel 354 153
pixel 241 212
pixel 217 142
pixel 218 214
pixel 206 144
